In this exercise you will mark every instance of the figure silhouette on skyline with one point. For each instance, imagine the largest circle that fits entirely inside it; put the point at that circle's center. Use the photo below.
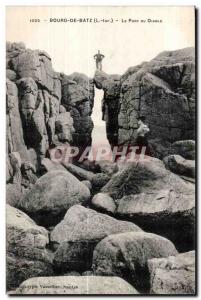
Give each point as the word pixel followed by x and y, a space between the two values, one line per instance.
pixel 99 57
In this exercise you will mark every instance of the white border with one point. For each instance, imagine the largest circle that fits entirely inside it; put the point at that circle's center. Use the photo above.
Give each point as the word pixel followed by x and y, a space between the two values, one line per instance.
pixel 3 3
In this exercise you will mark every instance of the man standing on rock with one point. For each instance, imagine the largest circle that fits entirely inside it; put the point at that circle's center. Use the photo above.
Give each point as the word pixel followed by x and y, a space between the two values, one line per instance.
pixel 99 57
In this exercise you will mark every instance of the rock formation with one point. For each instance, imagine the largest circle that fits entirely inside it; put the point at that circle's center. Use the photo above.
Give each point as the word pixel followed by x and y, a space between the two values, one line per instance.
pixel 56 107
pixel 71 223
pixel 162 90
pixel 76 285
pixel 27 255
pixel 173 275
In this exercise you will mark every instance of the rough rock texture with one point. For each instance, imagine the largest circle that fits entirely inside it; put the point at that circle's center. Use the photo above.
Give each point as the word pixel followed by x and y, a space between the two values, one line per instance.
pixel 77 97
pixel 163 90
pixel 79 233
pixel 76 285
pixel 164 212
pixel 104 203
pixel 110 103
pixel 146 176
pixel 52 195
pixel 184 148
pixel 126 255
pixel 49 165
pixel 26 253
pixel 179 165
pixel 97 180
pixel 156 199
pixel 173 275
pixel 34 95
pixel 106 166
pixel 15 141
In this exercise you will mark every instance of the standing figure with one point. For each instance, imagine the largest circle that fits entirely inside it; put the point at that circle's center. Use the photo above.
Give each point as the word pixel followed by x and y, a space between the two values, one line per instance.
pixel 142 131
pixel 99 57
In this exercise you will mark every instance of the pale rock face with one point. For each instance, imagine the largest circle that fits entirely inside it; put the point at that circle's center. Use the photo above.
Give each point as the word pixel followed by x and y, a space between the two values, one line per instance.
pixel 173 275
pixel 76 285
pixel 145 176
pixel 155 212
pixel 53 194
pixel 104 202
pixel 126 255
pixel 26 248
pixel 153 197
pixel 79 233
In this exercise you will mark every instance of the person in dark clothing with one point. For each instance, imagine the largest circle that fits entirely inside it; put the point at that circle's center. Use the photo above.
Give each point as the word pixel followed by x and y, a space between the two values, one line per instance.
pixel 99 57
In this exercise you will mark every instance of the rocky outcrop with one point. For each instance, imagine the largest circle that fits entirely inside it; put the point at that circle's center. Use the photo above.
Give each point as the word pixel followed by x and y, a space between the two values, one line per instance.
pixel 110 103
pixel 26 248
pixel 185 148
pixel 173 275
pixel 92 209
pixel 145 176
pixel 56 107
pixel 103 202
pixel 164 212
pixel 153 198
pixel 126 255
pixel 79 233
pixel 78 97
pixel 162 90
pixel 15 140
pixel 179 165
pixel 52 195
pixel 76 285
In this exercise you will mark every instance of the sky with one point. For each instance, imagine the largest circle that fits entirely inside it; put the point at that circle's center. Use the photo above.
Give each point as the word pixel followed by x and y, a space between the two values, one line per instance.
pixel 73 45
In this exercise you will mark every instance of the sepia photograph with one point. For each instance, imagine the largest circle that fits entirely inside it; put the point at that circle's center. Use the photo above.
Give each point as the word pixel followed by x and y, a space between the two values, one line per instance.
pixel 101 150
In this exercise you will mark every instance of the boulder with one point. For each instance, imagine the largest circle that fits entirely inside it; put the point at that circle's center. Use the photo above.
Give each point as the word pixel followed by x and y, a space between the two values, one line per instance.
pixel 179 165
pixel 184 148
pixel 104 203
pixel 79 233
pixel 52 195
pixel 14 194
pixel 26 248
pixel 79 172
pixel 48 165
pixel 126 255
pixel 145 176
pixel 173 275
pixel 87 183
pixel 99 180
pixel 76 285
pixel 106 167
pixel 164 212
pixel 11 75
